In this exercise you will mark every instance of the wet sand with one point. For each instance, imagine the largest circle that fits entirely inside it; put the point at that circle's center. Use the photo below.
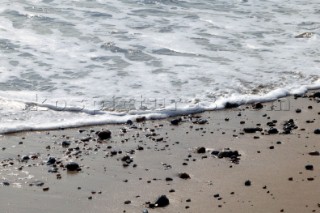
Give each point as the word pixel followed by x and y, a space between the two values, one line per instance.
pixel 265 172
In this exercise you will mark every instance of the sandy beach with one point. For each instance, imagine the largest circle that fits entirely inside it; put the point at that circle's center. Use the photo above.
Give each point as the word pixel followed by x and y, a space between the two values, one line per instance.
pixel 242 159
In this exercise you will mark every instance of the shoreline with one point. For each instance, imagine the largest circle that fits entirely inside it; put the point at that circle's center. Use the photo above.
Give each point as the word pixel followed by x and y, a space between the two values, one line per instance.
pixel 264 170
pixel 160 115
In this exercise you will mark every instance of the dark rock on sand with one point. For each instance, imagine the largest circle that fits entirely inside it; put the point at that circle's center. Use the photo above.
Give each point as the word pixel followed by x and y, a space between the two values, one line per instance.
pixel 316 95
pixel 162 201
pixel 317 131
pixel 201 150
pixel 273 131
pixel 257 106
pixel 229 105
pixel 6 183
pixel 176 121
pixel 51 161
pixel 65 144
pixel 288 126
pixel 72 166
pixel 309 167
pixel 247 183
pixel 252 130
pixel 169 179
pixel 129 122
pixel 105 134
pixel 127 202
pixel 25 158
pixel 227 153
pixel 314 153
pixel 184 176
pixel 140 119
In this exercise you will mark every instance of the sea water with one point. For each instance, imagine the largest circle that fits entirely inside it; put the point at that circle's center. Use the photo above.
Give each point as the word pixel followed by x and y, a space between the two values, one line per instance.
pixel 67 63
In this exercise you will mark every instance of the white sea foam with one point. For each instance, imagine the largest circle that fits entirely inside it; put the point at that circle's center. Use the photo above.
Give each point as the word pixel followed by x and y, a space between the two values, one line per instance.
pixel 72 63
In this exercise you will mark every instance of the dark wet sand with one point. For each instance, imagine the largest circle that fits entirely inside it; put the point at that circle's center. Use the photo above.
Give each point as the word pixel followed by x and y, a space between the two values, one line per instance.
pixel 274 164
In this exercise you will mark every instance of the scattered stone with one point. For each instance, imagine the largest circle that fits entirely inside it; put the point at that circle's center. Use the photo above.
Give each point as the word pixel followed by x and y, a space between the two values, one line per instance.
pixel 105 134
pixel 51 161
pixel 169 179
pixel 127 202
pixel 72 166
pixel 172 190
pixel 314 153
pixel 129 122
pixel 184 176
pixel 257 106
pixel 229 105
pixel 25 158
pixel 309 167
pixel 298 110
pixel 162 201
pixel 65 144
pixel 316 95
pixel 247 183
pixel 288 126
pixel 317 131
pixel 273 131
pixel 45 189
pixel 252 130
pixel 140 119
pixel 6 183
pixel 176 121
pixel 201 150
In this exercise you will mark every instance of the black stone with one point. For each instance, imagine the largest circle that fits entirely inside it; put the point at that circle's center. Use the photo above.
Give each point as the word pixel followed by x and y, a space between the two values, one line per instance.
pixel 176 121
pixel 316 95
pixel 51 161
pixel 257 106
pixel 215 152
pixel 25 158
pixel 201 150
pixel 162 201
pixel 127 202
pixel 228 154
pixel 184 176
pixel 169 179
pixel 65 144
pixel 229 105
pixel 105 134
pixel 252 130
pixel 72 166
pixel 247 183
pixel 273 131
pixel 309 167
pixel 317 131
pixel 6 183
pixel 140 119
pixel 129 122
pixel 315 153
